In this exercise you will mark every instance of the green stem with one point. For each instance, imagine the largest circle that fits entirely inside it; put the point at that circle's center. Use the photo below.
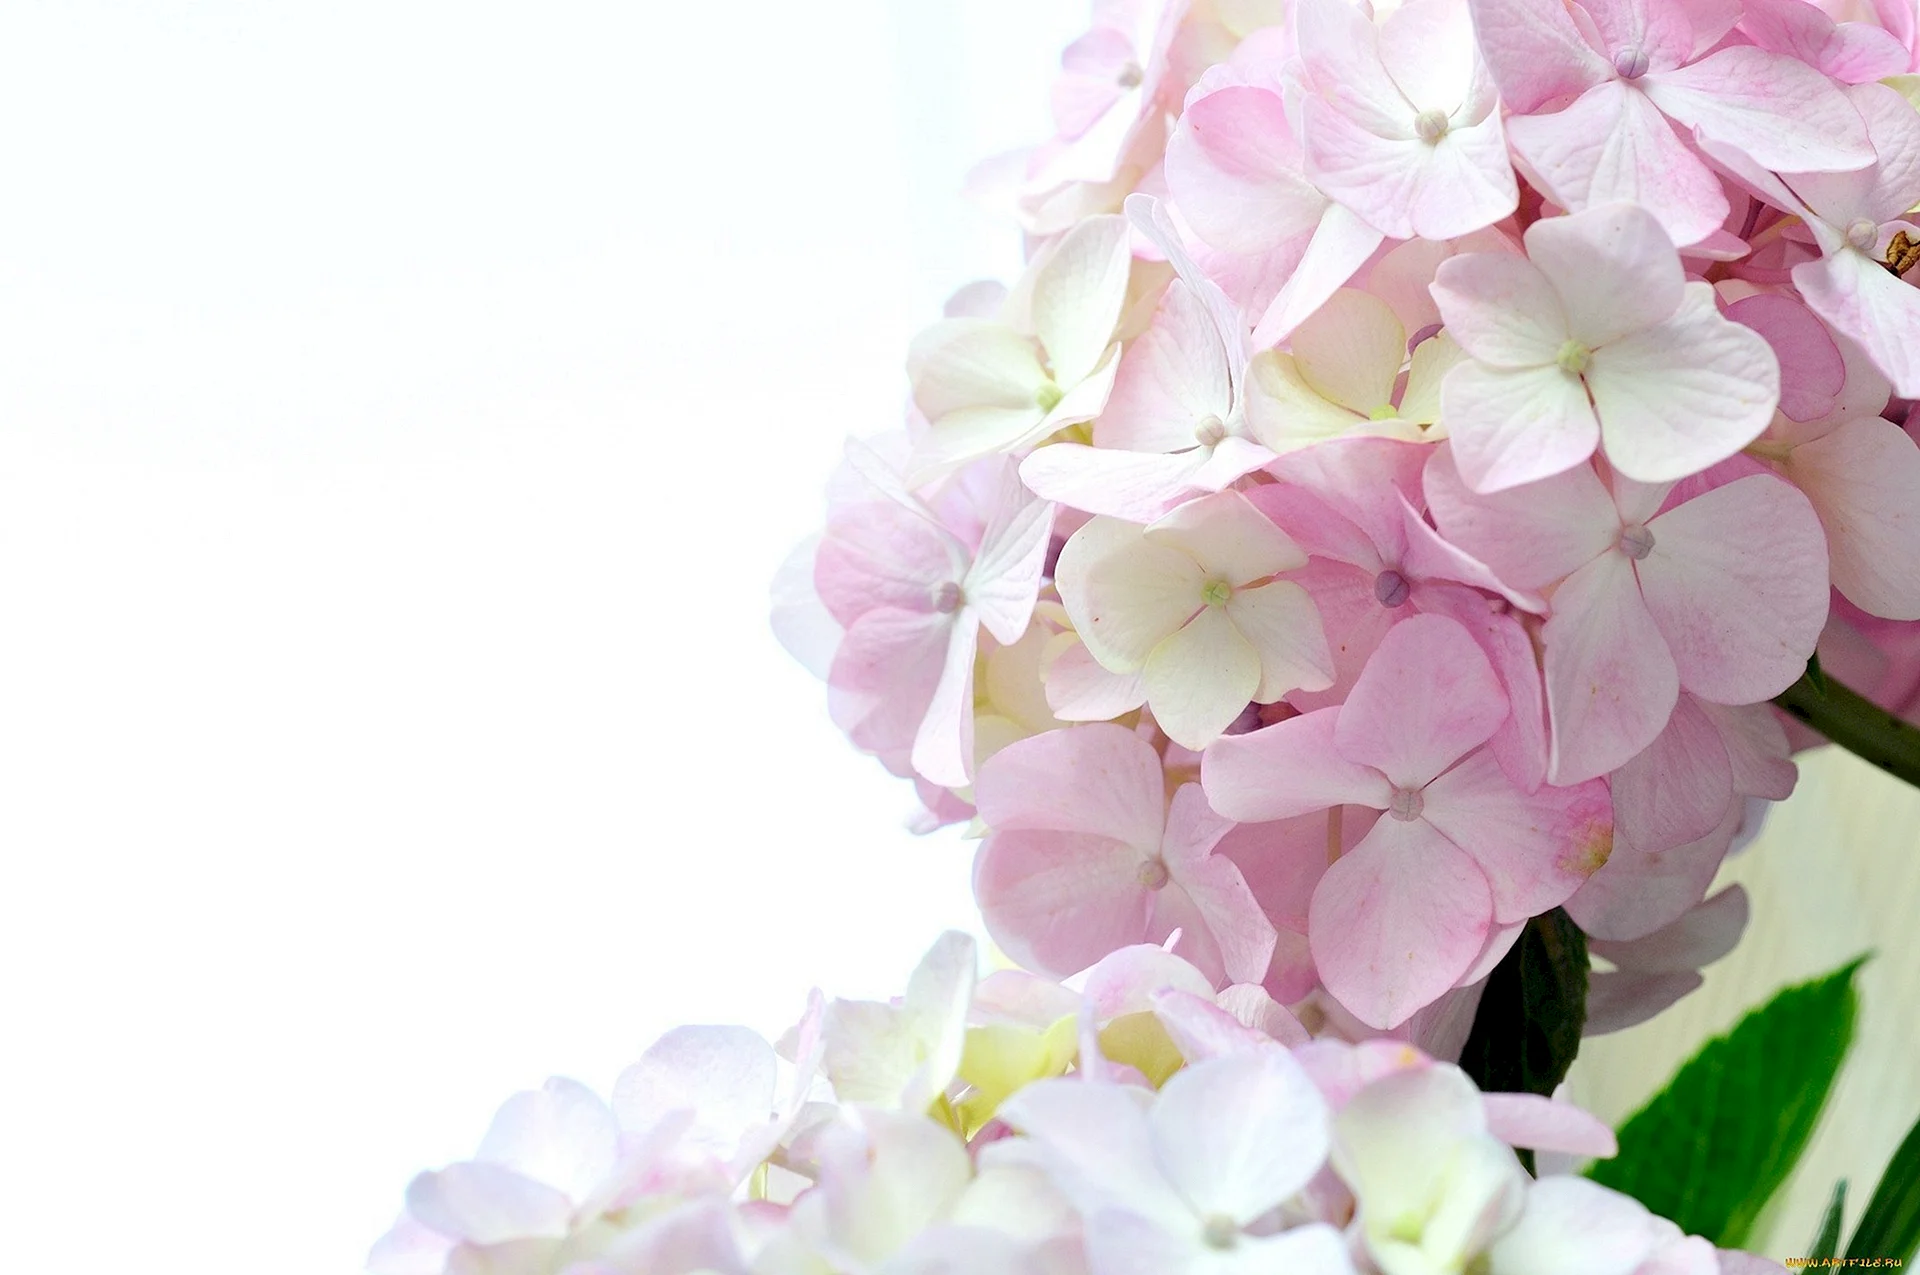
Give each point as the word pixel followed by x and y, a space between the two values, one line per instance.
pixel 1855 723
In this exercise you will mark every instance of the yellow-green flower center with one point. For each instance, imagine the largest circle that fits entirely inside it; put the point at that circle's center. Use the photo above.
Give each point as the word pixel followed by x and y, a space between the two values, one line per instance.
pixel 1216 593
pixel 1574 358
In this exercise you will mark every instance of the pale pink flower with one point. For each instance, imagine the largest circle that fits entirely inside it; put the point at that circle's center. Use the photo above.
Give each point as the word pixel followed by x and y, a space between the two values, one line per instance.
pixel 1176 424
pixel 1854 217
pixel 1574 1224
pixel 1717 585
pixel 1192 603
pixel 1851 52
pixel 996 385
pixel 1085 856
pixel 1406 913
pixel 1238 178
pixel 1596 336
pixel 1400 121
pixel 1602 108
pixel 912 598
pixel 1110 88
pixel 1188 1181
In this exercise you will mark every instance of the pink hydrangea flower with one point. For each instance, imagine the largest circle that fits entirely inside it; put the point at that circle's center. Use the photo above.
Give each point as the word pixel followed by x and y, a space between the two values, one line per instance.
pixel 1720 588
pixel 1596 336
pixel 1404 915
pixel 1603 107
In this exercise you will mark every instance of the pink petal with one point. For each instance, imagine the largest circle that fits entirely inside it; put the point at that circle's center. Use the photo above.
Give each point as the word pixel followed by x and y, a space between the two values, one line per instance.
pixel 1003 583
pixel 1544 1124
pixel 1056 902
pixel 943 745
pixel 1220 894
pixel 884 675
pixel 1757 748
pixel 1812 372
pixel 1521 743
pixel 1340 53
pixel 1659 30
pixel 1501 309
pixel 1611 681
pixel 1784 114
pixel 1865 301
pixel 1683 395
pixel 1287 769
pixel 1396 921
pixel 1426 698
pixel 1536 849
pixel 1341 244
pixel 1636 893
pixel 1864 482
pixel 1614 146
pixel 1079 690
pixel 1512 426
pixel 1530 536
pixel 1614 268
pixel 1534 52
pixel 1679 787
pixel 878 554
pixel 1236 172
pixel 1853 52
pixel 1172 377
pixel 1617 1000
pixel 1099 779
pixel 1136 486
pixel 1737 584
pixel 1366 480
pixel 1703 935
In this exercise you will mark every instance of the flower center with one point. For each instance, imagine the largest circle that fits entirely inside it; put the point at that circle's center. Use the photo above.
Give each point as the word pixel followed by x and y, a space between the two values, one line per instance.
pixel 1406 805
pixel 1390 589
pixel 1573 358
pixel 1210 431
pixel 1216 593
pixel 1431 126
pixel 1131 76
pixel 1636 542
pixel 1862 233
pixel 1630 63
pixel 1220 1232
pixel 947 597
pixel 1153 873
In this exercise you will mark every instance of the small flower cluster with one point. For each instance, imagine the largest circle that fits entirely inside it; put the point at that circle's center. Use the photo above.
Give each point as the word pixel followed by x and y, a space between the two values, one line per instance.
pixel 1134 1122
pixel 1423 440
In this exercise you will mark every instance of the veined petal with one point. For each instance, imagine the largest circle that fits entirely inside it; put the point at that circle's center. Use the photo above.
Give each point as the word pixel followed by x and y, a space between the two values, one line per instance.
pixel 1287 769
pixel 1341 244
pixel 1613 267
pixel 1534 52
pixel 1532 536
pixel 1784 114
pixel 1864 482
pixel 1536 848
pixel 1099 779
pixel 1078 293
pixel 1236 172
pixel 1864 300
pixel 1135 600
pixel 1512 426
pixel 1281 623
pixel 1614 146
pixel 1396 920
pixel 1228 537
pixel 943 745
pixel 1683 395
pixel 1132 485
pixel 1199 679
pixel 1172 378
pixel 1056 902
pixel 1611 680
pixel 1737 585
pixel 1239 1134
pixel 1340 54
pixel 1004 580
pixel 973 363
pixel 1426 698
pixel 1080 690
pixel 1351 350
pixel 1501 309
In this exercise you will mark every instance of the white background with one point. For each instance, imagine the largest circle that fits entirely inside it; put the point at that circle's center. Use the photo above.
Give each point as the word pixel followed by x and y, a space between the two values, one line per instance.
pixel 403 405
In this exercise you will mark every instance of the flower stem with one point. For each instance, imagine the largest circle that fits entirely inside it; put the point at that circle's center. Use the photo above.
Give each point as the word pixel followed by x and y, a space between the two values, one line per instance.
pixel 1855 723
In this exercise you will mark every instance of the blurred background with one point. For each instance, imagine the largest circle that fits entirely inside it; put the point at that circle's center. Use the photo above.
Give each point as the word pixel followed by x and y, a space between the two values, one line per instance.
pixel 403 407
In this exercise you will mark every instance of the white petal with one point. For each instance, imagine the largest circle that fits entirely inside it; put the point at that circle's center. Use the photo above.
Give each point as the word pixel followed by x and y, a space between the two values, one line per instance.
pixel 1201 678
pixel 1239 1134
pixel 1078 292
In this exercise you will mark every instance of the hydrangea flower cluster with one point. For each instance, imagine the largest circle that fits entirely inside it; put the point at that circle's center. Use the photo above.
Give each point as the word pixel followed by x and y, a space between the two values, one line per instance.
pixel 1134 1121
pixel 1424 439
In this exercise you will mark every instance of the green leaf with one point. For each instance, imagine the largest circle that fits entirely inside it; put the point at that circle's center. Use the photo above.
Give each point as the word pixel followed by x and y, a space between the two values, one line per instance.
pixel 1891 1225
pixel 1527 1028
pixel 1827 1242
pixel 1710 1150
